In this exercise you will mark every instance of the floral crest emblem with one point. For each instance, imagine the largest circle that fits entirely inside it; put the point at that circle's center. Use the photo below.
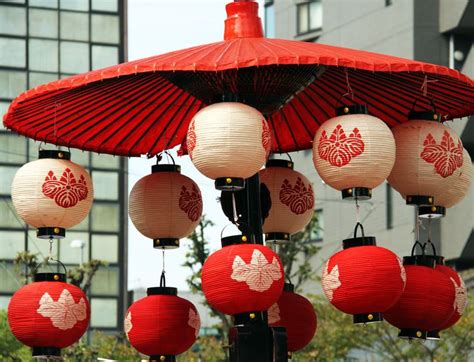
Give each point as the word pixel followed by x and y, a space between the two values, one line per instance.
pixel 191 202
pixel 266 138
pixel 330 281
pixel 460 301
pixel 274 313
pixel 127 323
pixel 67 191
pixel 446 156
pixel 194 321
pixel 64 313
pixel 403 272
pixel 299 198
pixel 339 149
pixel 259 274
pixel 191 139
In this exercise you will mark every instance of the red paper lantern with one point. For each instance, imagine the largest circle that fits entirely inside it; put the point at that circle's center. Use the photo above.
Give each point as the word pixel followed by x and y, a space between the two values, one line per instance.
pixel 363 280
pixel 292 200
pixel 162 325
pixel 297 315
pixel 242 278
pixel 48 314
pixel 427 302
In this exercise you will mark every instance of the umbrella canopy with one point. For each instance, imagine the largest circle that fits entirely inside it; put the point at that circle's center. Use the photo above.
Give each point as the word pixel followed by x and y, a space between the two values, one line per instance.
pixel 145 106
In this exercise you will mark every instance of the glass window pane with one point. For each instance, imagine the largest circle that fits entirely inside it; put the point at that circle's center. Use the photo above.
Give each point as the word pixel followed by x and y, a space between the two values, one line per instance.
pixel 3 110
pixel 105 29
pixel 9 217
pixel 105 217
pixel 315 15
pixel 80 157
pixel 75 4
pixel 105 185
pixel 7 173
pixel 105 161
pixel 43 55
pixel 12 20
pixel 106 281
pixel 74 57
pixel 104 56
pixel 74 26
pixel 303 18
pixel 44 3
pixel 43 23
pixel 105 247
pixel 12 83
pixel 4 301
pixel 270 21
pixel 105 5
pixel 70 250
pixel 103 312
pixel 37 79
pixel 13 52
pixel 11 243
pixel 10 277
pixel 12 148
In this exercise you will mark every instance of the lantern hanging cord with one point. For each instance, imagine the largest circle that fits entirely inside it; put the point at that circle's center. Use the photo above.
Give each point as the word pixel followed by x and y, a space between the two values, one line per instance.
pixel 348 84
pixel 424 86
pixel 163 277
pixel 50 253
pixel 234 210
pixel 429 230
pixel 357 211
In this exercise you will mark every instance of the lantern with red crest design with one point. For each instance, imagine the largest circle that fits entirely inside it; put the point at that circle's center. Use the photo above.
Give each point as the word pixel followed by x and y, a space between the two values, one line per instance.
pixel 165 206
pixel 223 135
pixel 48 314
pixel 162 325
pixel 242 278
pixel 52 194
pixel 354 152
pixel 429 162
pixel 363 279
pixel 297 315
pixel 292 200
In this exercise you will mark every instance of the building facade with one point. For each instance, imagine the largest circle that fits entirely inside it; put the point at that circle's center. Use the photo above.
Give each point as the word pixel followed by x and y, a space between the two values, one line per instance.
pixel 41 41
pixel 435 31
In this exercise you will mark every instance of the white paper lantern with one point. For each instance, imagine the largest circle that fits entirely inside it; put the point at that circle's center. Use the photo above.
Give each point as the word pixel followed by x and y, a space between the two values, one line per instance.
pixel 52 194
pixel 292 200
pixel 228 142
pixel 165 206
pixel 354 152
pixel 429 157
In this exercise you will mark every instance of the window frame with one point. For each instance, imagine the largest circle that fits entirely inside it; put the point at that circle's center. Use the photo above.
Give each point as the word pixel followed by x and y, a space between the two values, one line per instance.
pixel 298 7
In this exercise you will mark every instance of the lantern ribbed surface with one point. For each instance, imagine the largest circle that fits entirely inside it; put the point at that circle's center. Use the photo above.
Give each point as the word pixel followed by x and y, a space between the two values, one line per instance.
pixel 429 158
pixel 242 278
pixel 363 279
pixel 52 193
pixel 460 184
pixel 292 199
pixel 297 315
pixel 228 139
pixel 426 303
pixel 356 150
pixel 48 314
pixel 162 325
pixel 165 205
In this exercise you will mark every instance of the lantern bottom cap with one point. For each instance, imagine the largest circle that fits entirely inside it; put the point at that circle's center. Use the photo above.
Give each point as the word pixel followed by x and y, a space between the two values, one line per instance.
pixel 229 183
pixel 163 358
pixel 431 212
pixel 357 193
pixel 419 200
pixel 433 335
pixel 365 318
pixel 166 243
pixel 277 238
pixel 50 352
pixel 412 333
pixel 51 232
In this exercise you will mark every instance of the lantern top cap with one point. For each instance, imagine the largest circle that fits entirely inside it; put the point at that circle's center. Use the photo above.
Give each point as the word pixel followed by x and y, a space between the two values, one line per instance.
pixel 288 287
pixel 425 116
pixel 420 260
pixel 162 291
pixel 234 240
pixel 352 109
pixel 280 163
pixel 242 20
pixel 166 168
pixel 49 277
pixel 55 154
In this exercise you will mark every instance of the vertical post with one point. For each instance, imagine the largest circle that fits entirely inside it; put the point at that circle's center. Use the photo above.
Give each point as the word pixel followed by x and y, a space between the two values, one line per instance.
pixel 254 213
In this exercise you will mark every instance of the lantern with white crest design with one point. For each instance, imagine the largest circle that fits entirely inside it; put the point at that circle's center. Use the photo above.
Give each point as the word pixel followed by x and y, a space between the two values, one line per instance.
pixel 52 194
pixel 354 152
pixel 48 314
pixel 162 325
pixel 225 134
pixel 165 206
pixel 292 200
pixel 429 161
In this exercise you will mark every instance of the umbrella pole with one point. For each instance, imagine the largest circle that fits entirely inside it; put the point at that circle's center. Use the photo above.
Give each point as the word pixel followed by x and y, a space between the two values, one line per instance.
pixel 253 209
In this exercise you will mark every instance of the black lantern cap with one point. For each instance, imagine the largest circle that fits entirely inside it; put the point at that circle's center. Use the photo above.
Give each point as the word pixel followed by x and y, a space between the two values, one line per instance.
pixel 161 291
pixel 234 240
pixel 424 115
pixel 352 109
pixel 433 335
pixel 433 212
pixel 49 277
pixel 163 358
pixel 358 240
pixel 412 333
pixel 166 243
pixel 420 260
pixel 249 317
pixel 166 168
pixel 277 238
pixel 52 232
pixel 420 200
pixel 357 193
pixel 46 352
pixel 288 287
pixel 229 183
pixel 366 318
pixel 280 163
pixel 56 154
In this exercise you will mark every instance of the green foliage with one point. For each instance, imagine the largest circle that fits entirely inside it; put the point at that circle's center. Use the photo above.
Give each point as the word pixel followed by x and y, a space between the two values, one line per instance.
pixel 10 348
pixel 206 349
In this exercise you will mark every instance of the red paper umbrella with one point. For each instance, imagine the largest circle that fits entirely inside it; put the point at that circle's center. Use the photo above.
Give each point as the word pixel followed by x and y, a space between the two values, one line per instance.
pixel 297 315
pixel 162 324
pixel 145 106
pixel 48 314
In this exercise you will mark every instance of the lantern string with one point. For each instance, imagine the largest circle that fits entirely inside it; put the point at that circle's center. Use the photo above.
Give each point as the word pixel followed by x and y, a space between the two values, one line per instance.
pixel 429 230
pixel 357 211
pixel 348 84
pixel 50 255
pixel 234 210
pixel 424 86
pixel 163 277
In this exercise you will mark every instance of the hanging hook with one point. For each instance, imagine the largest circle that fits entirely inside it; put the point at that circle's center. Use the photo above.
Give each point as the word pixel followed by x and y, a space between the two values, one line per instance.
pixel 424 86
pixel 357 211
pixel 348 84
pixel 163 277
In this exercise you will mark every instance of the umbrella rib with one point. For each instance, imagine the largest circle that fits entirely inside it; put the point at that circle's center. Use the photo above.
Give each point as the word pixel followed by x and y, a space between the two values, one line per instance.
pixel 301 121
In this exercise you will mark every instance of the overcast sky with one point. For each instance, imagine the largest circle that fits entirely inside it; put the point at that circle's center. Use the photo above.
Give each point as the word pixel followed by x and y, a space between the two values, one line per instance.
pixel 156 27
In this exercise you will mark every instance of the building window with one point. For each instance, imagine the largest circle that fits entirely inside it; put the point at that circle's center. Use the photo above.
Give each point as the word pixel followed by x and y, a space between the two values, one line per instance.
pixel 269 19
pixel 310 16
pixel 389 206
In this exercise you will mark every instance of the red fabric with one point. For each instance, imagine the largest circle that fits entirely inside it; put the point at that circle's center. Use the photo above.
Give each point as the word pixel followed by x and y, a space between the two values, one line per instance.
pixel 427 302
pixel 363 279
pixel 36 330
pixel 242 278
pixel 161 325
pixel 297 315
